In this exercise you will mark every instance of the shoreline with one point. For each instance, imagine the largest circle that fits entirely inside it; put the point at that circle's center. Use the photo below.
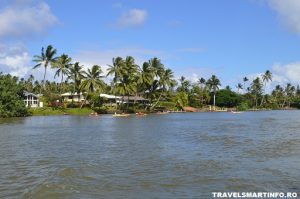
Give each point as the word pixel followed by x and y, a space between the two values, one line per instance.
pixel 87 111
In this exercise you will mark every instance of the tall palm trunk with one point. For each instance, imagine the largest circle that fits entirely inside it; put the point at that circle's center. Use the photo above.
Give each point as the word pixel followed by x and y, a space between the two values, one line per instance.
pixel 263 98
pixel 156 102
pixel 44 83
pixel 214 101
pixel 61 84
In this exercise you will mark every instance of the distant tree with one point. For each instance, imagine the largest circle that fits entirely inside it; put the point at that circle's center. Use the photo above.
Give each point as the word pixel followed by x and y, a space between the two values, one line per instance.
pixel 245 79
pixel 266 77
pixel 11 97
pixel 213 84
pixel 45 59
pixel 239 87
pixel 62 64
pixel 227 98
pixel 256 89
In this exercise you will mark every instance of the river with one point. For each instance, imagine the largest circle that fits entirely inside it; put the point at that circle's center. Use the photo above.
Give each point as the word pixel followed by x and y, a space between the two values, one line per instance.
pixel 180 155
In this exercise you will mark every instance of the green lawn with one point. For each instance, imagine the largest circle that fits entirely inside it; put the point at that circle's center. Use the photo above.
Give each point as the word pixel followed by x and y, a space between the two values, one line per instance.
pixel 60 111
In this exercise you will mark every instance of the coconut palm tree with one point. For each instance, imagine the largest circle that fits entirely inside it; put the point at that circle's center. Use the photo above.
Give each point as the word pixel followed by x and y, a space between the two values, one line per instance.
pixel 239 87
pixel 213 84
pixel 92 81
pixel 266 77
pixel 201 82
pixel 146 77
pixel 75 73
pixel 62 64
pixel 245 79
pixel 165 81
pixel 289 93
pixel 45 59
pixel 256 89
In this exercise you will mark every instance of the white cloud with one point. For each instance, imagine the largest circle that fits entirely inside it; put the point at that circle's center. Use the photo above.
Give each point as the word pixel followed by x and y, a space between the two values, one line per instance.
pixel 132 18
pixel 14 60
pixel 289 12
pixel 287 72
pixel 281 75
pixel 23 18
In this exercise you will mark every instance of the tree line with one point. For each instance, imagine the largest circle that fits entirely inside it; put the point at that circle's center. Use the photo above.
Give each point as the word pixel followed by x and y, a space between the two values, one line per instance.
pixel 153 81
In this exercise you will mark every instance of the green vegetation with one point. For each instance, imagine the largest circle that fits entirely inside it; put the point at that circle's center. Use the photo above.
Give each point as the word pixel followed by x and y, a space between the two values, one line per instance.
pixel 152 80
pixel 60 111
pixel 11 97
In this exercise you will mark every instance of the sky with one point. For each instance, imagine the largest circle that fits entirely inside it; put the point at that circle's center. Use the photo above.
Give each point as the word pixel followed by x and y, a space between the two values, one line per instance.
pixel 195 38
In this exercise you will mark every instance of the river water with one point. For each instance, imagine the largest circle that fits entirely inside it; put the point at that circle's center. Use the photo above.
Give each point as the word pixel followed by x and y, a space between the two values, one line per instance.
pixel 184 155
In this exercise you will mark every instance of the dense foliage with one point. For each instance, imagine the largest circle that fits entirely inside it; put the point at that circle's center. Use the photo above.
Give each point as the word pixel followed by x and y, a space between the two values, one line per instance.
pixel 151 80
pixel 11 97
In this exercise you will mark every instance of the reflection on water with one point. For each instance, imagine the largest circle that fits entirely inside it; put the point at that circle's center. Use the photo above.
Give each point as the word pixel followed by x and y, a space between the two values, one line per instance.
pixel 158 156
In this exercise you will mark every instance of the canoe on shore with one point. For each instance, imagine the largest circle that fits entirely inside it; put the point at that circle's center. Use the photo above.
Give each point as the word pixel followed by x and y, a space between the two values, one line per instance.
pixel 121 115
pixel 141 114
pixel 235 112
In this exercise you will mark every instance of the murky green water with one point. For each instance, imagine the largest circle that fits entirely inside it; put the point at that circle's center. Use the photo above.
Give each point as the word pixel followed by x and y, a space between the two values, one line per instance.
pixel 157 156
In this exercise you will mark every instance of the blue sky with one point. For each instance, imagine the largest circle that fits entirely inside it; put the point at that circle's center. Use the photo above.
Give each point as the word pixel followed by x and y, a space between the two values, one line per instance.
pixel 195 38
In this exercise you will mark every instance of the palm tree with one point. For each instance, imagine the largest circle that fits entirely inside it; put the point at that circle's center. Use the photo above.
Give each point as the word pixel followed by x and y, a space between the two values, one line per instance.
pixel 184 84
pixel 45 59
pixel 63 64
pixel 245 79
pixel 75 73
pixel 116 70
pixel 165 81
pixel 239 87
pixel 213 84
pixel 92 80
pixel 289 93
pixel 201 82
pixel 146 77
pixel 256 89
pixel 266 78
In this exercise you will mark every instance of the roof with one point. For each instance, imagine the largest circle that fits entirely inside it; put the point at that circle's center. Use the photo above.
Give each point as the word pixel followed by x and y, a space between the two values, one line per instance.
pixel 136 98
pixel 28 93
pixel 70 94
pixel 109 96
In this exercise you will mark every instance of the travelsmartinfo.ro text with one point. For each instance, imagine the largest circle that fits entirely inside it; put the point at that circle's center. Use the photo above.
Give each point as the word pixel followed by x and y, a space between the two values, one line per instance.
pixel 254 195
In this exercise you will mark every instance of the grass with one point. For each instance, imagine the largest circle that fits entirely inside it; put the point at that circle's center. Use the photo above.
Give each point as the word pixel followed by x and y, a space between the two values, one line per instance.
pixel 60 111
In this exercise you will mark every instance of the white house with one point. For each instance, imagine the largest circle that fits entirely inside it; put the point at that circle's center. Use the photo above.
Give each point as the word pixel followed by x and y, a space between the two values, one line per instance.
pixel 32 100
pixel 72 97
pixel 124 99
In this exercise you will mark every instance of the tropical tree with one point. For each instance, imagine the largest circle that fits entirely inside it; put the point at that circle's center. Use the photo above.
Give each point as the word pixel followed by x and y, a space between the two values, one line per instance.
pixel 245 79
pixel 165 80
pixel 184 85
pixel 92 81
pixel 256 89
pixel 213 84
pixel 146 77
pixel 62 64
pixel 239 87
pixel 266 77
pixel 289 93
pixel 76 74
pixel 45 59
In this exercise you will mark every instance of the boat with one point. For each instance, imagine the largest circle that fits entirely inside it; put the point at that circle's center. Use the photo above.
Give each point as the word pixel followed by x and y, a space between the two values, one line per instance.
pixel 121 115
pixel 141 114
pixel 95 114
pixel 235 112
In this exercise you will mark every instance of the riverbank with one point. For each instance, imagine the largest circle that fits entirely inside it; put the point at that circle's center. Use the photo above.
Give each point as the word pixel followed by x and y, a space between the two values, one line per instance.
pixel 59 111
pixel 47 111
